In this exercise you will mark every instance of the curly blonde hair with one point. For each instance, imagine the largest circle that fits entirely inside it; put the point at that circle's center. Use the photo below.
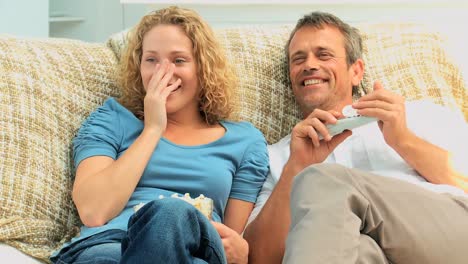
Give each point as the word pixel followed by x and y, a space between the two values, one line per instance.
pixel 215 77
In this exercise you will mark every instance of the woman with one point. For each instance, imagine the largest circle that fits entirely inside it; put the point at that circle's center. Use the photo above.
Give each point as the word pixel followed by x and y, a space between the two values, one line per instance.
pixel 166 135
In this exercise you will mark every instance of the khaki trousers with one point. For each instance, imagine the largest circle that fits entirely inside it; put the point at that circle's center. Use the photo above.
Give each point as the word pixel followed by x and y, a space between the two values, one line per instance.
pixel 341 215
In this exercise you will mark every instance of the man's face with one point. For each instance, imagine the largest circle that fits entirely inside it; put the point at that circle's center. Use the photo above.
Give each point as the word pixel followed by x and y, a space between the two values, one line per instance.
pixel 319 74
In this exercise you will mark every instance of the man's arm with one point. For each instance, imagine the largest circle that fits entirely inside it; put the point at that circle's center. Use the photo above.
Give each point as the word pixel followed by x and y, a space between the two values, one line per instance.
pixel 434 163
pixel 267 233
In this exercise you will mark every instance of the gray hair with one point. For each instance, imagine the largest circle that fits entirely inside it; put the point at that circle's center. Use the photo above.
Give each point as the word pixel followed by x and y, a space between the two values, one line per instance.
pixel 353 40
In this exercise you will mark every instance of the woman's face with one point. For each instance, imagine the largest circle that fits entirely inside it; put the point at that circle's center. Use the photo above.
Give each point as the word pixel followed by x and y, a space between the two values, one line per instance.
pixel 169 44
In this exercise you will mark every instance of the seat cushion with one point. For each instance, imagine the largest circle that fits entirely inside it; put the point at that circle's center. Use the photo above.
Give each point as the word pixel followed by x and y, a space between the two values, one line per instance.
pixel 12 255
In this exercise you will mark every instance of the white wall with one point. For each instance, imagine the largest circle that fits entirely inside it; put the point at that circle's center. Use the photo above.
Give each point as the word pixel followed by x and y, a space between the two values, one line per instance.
pixel 98 19
pixel 220 15
pixel 26 18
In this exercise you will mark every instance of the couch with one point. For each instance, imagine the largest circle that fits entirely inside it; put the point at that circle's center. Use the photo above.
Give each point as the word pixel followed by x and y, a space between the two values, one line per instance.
pixel 49 86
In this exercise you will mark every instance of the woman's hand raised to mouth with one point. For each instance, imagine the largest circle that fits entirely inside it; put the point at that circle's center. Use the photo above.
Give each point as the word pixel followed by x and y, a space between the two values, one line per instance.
pixel 156 96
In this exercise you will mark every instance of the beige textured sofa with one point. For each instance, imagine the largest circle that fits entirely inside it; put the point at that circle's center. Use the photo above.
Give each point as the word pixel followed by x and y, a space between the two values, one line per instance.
pixel 49 86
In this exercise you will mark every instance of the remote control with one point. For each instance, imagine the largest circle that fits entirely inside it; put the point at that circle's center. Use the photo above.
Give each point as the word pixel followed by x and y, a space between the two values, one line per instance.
pixel 348 123
pixel 351 120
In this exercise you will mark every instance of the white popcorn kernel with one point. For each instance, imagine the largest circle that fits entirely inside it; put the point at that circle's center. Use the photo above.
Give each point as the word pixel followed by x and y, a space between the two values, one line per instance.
pixel 138 206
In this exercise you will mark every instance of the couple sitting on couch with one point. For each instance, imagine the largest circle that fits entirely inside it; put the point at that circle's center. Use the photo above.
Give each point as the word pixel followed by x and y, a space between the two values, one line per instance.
pixel 168 133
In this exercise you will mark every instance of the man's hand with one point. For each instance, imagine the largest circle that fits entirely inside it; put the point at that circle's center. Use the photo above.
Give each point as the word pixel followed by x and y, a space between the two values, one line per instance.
pixel 306 147
pixel 389 108
pixel 236 248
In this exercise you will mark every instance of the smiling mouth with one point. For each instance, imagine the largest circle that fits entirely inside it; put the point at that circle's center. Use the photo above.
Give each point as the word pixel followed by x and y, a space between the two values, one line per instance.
pixel 178 87
pixel 312 82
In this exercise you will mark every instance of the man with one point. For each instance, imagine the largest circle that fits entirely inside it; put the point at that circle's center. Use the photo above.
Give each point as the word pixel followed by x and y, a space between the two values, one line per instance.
pixel 314 211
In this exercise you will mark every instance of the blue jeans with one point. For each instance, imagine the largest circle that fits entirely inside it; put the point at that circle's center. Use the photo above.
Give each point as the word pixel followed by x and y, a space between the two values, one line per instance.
pixel 162 231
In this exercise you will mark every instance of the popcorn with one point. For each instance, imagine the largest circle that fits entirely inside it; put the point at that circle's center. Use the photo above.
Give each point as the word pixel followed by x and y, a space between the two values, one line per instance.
pixel 137 207
pixel 202 203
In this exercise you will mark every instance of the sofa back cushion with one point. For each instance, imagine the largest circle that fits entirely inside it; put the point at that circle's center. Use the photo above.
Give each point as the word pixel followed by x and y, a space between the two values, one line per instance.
pixel 411 59
pixel 47 88
pixel 407 58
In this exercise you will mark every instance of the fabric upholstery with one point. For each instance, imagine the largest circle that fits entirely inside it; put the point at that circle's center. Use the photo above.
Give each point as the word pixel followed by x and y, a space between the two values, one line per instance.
pixel 410 59
pixel 47 88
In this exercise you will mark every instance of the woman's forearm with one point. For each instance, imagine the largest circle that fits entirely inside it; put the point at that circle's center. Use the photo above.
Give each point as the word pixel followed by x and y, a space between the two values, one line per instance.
pixel 103 187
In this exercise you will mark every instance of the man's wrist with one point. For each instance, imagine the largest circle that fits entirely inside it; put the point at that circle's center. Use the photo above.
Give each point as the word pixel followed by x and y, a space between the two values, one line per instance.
pixel 292 168
pixel 405 143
